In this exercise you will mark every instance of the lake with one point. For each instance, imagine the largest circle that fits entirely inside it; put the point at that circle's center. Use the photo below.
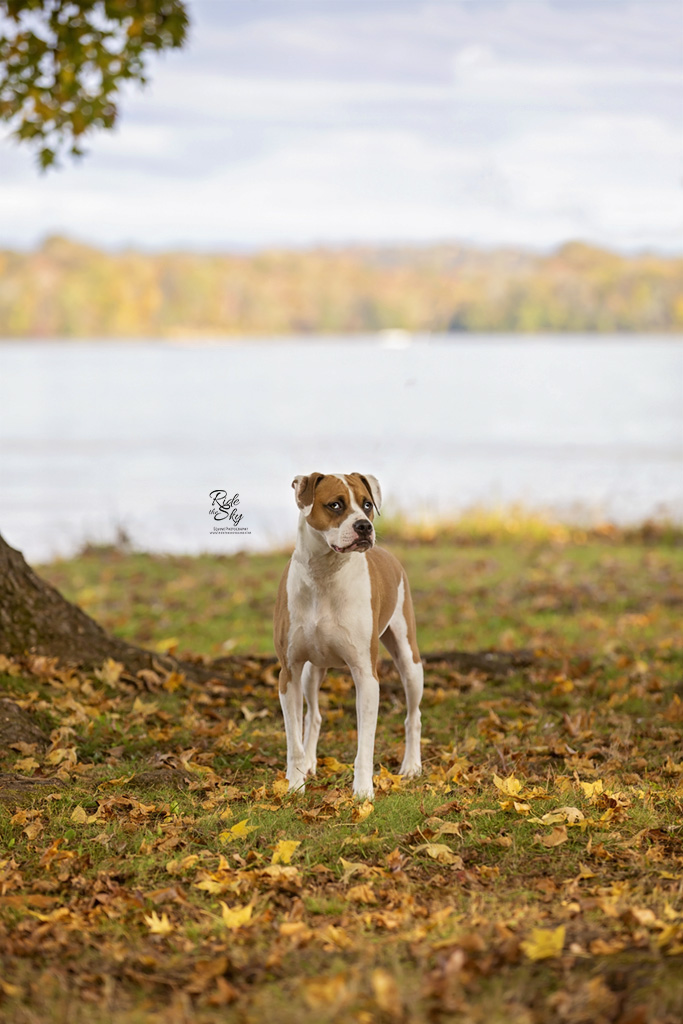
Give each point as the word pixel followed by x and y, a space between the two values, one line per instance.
pixel 100 435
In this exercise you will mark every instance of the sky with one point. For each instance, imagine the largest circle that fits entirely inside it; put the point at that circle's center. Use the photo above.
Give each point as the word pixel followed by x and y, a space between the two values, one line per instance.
pixel 306 122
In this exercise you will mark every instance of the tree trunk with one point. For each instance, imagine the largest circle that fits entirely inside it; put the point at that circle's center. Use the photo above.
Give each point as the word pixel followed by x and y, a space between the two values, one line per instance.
pixel 36 619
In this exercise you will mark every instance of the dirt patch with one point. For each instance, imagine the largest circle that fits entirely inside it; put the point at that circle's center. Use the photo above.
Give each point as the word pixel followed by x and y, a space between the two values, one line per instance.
pixel 17 725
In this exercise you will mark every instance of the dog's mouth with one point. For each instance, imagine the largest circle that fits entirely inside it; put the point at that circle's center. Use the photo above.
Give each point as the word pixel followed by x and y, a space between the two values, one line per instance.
pixel 362 544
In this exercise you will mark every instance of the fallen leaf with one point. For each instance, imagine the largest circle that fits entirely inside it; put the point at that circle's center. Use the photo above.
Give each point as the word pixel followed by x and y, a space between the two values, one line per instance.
pixel 238 831
pixel 361 811
pixel 327 993
pixel 361 894
pixel 282 854
pixel 110 672
pixel 556 837
pixel 235 917
pixel 510 786
pixel 386 993
pixel 33 829
pixel 158 925
pixel 441 853
pixel 544 943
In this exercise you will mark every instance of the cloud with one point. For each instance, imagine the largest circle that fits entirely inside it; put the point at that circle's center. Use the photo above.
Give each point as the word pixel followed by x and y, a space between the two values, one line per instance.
pixel 300 123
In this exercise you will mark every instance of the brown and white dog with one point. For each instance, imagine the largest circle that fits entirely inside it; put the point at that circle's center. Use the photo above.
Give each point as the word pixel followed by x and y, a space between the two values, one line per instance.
pixel 339 596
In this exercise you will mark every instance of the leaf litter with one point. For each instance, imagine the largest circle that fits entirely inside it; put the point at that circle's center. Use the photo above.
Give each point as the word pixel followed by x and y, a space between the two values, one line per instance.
pixel 153 865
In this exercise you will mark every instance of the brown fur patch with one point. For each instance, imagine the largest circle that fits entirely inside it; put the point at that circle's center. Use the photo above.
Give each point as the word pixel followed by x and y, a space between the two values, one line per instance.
pixel 332 489
pixel 409 616
pixel 281 630
pixel 361 492
pixel 304 488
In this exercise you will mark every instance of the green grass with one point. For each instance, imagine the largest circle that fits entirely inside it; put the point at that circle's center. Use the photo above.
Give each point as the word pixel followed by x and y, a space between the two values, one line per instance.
pixel 473 590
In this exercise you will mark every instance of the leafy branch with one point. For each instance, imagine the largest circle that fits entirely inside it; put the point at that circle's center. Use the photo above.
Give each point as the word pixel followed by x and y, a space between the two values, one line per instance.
pixel 62 63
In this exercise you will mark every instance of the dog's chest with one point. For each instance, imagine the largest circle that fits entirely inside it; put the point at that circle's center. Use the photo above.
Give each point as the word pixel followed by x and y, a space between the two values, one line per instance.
pixel 330 617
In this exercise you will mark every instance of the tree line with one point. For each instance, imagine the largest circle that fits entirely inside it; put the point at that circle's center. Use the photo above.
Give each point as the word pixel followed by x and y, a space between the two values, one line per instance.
pixel 68 289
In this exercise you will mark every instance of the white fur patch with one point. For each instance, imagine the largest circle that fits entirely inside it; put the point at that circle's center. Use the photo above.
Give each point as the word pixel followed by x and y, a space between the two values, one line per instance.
pixel 330 617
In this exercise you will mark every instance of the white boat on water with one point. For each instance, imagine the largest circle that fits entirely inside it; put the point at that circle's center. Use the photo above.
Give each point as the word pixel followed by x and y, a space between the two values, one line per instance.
pixel 395 337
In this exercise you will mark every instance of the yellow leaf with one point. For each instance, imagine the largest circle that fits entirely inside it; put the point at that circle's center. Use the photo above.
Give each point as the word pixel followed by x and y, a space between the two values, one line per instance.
pixel 110 671
pixel 173 681
pixel 288 929
pixel 385 991
pixel 280 787
pixel 544 943
pixel 120 781
pixel 361 811
pixel 33 830
pixel 330 766
pixel 361 894
pixel 239 831
pixel 26 764
pixel 441 853
pixel 281 871
pixel 11 991
pixel 140 708
pixel 351 867
pixel 60 754
pixel 158 925
pixel 449 828
pixel 169 644
pixel 235 917
pixel 591 789
pixel 212 885
pixel 572 814
pixel 323 993
pixel 510 786
pixel 386 781
pixel 79 815
pixel 282 854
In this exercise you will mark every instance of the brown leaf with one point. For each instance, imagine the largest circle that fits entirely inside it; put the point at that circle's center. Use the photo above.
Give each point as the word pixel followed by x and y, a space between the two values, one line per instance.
pixel 556 837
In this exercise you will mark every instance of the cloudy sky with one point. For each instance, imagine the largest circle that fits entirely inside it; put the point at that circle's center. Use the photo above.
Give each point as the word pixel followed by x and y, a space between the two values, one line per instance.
pixel 306 121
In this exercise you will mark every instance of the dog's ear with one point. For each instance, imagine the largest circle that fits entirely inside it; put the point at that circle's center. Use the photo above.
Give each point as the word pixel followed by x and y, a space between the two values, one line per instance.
pixel 372 484
pixel 304 489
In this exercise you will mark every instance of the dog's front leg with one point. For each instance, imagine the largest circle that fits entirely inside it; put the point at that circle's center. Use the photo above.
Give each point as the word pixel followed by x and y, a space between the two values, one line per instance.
pixel 311 680
pixel 292 703
pixel 367 704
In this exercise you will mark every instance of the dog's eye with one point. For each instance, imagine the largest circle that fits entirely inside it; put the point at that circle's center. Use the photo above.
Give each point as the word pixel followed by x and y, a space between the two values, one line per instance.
pixel 367 505
pixel 336 506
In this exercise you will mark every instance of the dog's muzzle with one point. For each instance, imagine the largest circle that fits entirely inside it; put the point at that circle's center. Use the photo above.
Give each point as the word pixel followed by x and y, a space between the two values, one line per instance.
pixel 364 537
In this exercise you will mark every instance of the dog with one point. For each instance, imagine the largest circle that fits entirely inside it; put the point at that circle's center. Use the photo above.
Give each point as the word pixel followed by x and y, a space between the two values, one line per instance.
pixel 339 596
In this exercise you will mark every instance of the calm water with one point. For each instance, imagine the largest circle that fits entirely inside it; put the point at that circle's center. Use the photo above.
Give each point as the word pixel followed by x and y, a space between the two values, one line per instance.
pixel 93 436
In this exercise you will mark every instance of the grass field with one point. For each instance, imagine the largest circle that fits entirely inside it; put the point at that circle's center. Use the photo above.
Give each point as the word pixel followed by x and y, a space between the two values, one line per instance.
pixel 158 870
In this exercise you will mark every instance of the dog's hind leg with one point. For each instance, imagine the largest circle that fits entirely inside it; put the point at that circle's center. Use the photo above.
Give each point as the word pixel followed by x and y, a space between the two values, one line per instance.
pixel 412 676
pixel 311 680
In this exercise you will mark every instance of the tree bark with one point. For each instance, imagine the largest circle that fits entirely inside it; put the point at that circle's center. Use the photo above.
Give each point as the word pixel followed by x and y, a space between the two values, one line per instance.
pixel 36 619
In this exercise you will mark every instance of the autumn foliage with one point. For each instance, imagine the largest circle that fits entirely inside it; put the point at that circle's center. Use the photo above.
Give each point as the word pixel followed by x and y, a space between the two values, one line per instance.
pixel 66 289
pixel 155 868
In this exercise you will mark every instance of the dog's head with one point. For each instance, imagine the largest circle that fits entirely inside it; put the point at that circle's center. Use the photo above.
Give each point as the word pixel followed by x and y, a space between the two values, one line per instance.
pixel 340 508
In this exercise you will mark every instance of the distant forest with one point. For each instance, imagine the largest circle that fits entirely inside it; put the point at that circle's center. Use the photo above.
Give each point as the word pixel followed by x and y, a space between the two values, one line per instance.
pixel 67 289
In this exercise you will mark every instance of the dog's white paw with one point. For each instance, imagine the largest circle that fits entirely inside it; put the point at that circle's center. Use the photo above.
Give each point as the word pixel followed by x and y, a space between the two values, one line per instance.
pixel 411 770
pixel 296 777
pixel 363 791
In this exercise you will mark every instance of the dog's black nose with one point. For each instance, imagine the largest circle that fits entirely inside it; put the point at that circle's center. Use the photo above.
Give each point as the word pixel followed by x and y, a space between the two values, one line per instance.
pixel 363 527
